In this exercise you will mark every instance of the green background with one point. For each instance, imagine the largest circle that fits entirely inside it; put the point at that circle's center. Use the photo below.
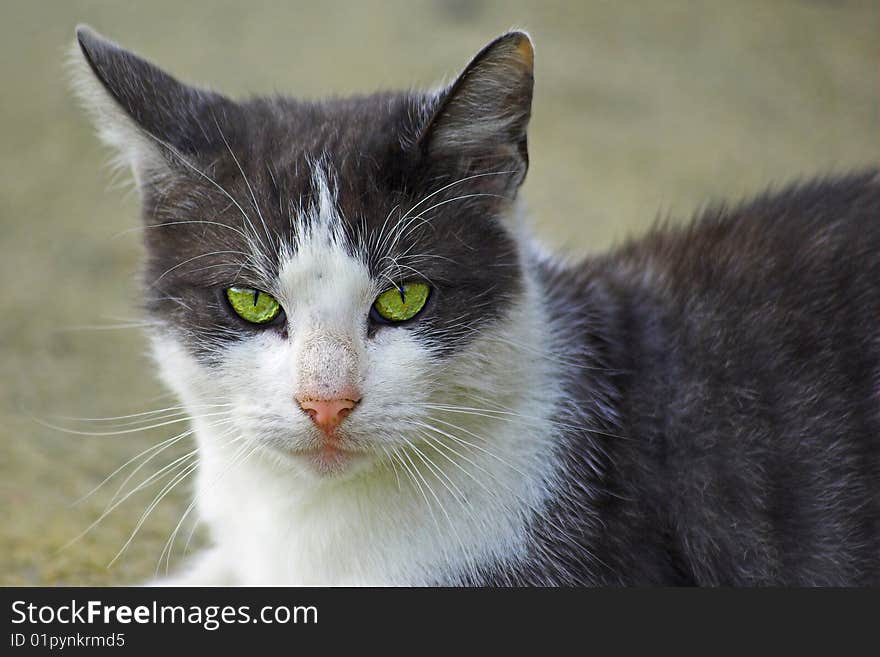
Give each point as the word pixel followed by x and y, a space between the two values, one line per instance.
pixel 642 109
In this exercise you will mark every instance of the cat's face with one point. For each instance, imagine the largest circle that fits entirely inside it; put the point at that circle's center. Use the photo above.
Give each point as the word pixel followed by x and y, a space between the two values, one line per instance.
pixel 326 272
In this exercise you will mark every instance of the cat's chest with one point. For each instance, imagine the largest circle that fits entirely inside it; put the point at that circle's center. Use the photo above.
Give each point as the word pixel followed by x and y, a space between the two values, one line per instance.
pixel 296 558
pixel 296 548
pixel 270 536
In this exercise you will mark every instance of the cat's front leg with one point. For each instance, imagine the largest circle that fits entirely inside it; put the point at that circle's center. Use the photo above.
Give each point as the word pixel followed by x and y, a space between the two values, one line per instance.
pixel 210 568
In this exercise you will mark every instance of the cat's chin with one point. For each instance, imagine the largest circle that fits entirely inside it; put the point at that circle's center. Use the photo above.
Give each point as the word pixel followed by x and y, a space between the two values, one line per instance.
pixel 328 462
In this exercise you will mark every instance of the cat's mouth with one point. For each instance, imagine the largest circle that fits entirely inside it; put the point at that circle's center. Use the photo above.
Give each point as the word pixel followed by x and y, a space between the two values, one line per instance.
pixel 330 461
pixel 328 456
pixel 313 451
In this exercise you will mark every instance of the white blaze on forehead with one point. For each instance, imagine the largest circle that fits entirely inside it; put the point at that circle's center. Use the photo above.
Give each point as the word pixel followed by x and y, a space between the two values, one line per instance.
pixel 327 294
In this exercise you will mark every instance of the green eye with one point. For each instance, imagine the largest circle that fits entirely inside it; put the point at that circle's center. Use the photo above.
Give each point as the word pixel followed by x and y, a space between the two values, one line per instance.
pixel 253 305
pixel 399 305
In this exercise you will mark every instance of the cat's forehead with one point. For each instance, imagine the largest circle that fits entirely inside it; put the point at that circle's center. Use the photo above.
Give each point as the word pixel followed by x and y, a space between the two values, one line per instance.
pixel 281 155
pixel 349 164
pixel 361 145
pixel 319 264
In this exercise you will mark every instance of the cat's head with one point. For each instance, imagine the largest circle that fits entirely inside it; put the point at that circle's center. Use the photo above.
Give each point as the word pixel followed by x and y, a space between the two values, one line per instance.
pixel 336 274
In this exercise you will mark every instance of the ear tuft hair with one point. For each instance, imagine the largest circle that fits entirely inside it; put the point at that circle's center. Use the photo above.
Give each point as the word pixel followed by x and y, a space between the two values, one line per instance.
pixel 146 115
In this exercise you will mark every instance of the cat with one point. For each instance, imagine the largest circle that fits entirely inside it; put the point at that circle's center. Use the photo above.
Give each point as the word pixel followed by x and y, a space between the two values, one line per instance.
pixel 392 383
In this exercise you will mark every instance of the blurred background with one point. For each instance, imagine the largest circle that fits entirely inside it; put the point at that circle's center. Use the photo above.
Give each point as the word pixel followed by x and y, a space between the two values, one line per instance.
pixel 642 109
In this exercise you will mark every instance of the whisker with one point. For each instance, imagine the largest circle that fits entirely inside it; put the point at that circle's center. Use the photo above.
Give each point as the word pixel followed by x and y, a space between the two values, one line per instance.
pixel 134 415
pixel 426 461
pixel 156 501
pixel 438 447
pixel 248 256
pixel 458 182
pixel 169 544
pixel 160 447
pixel 455 491
pixel 121 432
pixel 458 439
pixel 419 486
pixel 439 443
pixel 176 463
pixel 142 465
pixel 244 177
pixel 391 462
pixel 179 156
pixel 179 477
pixel 176 223
pixel 104 327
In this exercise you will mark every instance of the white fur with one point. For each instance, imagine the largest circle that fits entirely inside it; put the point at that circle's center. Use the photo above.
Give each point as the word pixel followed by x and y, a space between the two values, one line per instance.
pixel 435 517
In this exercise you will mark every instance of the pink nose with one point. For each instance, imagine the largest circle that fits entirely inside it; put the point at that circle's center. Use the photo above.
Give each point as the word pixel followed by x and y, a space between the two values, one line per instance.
pixel 327 413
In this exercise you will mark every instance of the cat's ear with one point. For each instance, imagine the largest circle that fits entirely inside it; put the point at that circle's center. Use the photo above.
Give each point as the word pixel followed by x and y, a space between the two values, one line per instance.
pixel 481 119
pixel 152 120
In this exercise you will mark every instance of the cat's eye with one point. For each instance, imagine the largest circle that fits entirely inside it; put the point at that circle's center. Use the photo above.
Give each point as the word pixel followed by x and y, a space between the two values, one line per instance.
pixel 254 306
pixel 398 304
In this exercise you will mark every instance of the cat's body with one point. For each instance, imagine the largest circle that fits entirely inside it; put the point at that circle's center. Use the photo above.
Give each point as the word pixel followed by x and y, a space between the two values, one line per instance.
pixel 698 407
pixel 742 444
